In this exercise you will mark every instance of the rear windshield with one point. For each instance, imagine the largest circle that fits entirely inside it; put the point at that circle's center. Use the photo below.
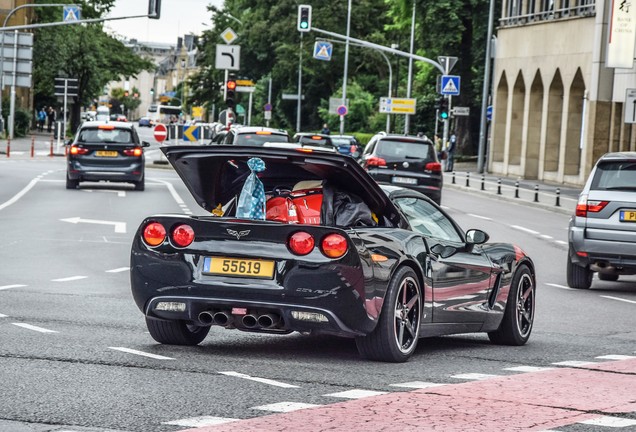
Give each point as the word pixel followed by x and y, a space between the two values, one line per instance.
pixel 257 140
pixel 315 141
pixel 341 141
pixel 105 136
pixel 405 149
pixel 615 175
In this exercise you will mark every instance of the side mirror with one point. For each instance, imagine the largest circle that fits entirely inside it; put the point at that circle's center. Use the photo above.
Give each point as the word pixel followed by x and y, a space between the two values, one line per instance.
pixel 145 144
pixel 476 237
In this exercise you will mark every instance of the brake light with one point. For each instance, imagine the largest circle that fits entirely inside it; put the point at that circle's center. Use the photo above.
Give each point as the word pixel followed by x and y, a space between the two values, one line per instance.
pixel 137 151
pixel 316 137
pixel 154 234
pixel 106 127
pixel 433 167
pixel 301 243
pixel 304 150
pixel 183 235
pixel 263 133
pixel 334 245
pixel 75 150
pixel 375 161
pixel 584 206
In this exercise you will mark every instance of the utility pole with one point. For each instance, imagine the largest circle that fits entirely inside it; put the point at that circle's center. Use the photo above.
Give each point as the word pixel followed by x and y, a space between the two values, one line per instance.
pixel 481 151
pixel 407 119
pixel 346 68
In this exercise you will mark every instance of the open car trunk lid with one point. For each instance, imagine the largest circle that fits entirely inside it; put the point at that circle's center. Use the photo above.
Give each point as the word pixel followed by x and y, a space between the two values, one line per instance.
pixel 216 175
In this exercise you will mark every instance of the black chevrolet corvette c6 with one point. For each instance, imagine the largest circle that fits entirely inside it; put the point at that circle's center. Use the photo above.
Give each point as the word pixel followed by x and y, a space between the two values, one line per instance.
pixel 336 254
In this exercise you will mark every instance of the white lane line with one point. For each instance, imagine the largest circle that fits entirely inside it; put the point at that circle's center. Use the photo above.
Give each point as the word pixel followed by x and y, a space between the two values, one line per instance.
pixel 34 328
pixel 478 216
pixel 607 421
pixel 417 385
pixel 118 270
pixel 524 229
pixel 69 279
pixel 619 299
pixel 355 394
pixel 574 363
pixel 140 353
pixel 261 380
pixel 4 316
pixel 5 287
pixel 172 191
pixel 197 422
pixel 528 369
pixel 561 286
pixel 283 407
pixel 20 194
pixel 545 236
pixel 474 376
pixel 561 242
pixel 616 357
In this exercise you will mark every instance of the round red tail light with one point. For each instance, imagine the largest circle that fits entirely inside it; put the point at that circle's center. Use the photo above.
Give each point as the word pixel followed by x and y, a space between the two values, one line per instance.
pixel 154 234
pixel 183 235
pixel 301 243
pixel 334 245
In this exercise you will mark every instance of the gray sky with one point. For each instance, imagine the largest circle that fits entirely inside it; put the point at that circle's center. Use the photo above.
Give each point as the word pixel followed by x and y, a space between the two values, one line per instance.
pixel 178 17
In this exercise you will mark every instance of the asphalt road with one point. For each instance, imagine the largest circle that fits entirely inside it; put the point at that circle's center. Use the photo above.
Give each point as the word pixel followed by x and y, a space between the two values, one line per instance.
pixel 75 354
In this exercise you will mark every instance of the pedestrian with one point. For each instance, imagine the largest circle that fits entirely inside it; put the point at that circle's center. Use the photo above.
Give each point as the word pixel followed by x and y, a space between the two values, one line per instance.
pixel 325 129
pixel 41 119
pixel 452 146
pixel 51 116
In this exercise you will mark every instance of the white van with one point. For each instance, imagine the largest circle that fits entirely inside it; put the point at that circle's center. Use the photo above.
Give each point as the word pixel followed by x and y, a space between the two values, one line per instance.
pixel 103 113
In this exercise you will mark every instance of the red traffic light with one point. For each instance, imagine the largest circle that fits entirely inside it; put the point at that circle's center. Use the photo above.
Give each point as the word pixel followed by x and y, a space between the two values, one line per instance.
pixel 231 85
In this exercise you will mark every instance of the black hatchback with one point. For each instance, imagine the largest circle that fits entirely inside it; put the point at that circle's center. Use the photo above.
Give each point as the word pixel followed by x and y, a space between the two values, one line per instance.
pixel 106 151
pixel 406 161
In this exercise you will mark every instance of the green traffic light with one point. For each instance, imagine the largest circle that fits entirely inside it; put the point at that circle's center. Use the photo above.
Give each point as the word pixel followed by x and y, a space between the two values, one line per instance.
pixel 304 24
pixel 443 115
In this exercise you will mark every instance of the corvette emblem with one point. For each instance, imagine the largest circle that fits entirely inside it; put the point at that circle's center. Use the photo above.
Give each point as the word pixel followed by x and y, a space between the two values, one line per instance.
pixel 405 164
pixel 238 234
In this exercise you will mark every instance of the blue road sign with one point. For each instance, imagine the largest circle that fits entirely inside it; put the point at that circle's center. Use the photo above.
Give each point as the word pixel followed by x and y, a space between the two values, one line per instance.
pixel 72 13
pixel 268 107
pixel 323 50
pixel 342 110
pixel 450 85
pixel 489 112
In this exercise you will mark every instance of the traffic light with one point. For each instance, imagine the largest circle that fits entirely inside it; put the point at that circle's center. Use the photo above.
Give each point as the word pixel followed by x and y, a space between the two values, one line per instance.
pixel 230 89
pixel 154 9
pixel 443 113
pixel 304 18
pixel 152 91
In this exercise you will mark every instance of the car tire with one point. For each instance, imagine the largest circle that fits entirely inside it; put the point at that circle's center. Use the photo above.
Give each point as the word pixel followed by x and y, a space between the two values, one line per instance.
pixel 71 184
pixel 608 277
pixel 177 332
pixel 516 324
pixel 140 185
pixel 578 276
pixel 394 338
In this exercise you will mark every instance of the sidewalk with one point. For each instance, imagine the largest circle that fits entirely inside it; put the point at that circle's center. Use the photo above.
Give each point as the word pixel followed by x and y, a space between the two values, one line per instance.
pixel 41 143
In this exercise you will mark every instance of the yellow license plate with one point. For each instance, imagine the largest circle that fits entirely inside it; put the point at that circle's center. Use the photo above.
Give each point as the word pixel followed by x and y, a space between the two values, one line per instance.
pixel 238 267
pixel 106 153
pixel 628 216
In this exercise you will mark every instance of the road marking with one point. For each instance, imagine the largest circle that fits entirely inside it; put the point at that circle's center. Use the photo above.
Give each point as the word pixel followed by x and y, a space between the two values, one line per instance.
pixel 69 279
pixel 545 236
pixel 121 194
pixel 561 242
pixel 4 316
pixel 284 407
pixel 619 299
pixel 140 353
pixel 528 368
pixel 355 394
pixel 608 421
pixel 616 357
pixel 197 422
pixel 474 376
pixel 120 227
pixel 417 385
pixel 261 380
pixel 20 194
pixel 574 363
pixel 5 287
pixel 528 230
pixel 118 270
pixel 561 287
pixel 172 191
pixel 479 217
pixel 34 328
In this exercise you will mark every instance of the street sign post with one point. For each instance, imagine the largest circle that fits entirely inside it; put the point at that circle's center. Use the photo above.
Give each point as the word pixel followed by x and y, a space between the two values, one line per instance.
pixel 228 57
pixel 461 111
pixel 342 110
pixel 397 106
pixel 71 13
pixel 323 50
pixel 450 85
pixel 160 132
pixel 630 106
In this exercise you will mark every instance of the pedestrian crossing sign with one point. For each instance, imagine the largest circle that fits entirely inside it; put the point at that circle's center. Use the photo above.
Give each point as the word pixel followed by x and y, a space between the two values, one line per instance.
pixel 71 13
pixel 450 85
pixel 323 50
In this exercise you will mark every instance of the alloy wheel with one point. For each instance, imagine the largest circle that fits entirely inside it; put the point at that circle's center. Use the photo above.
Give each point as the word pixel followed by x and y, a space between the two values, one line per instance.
pixel 407 314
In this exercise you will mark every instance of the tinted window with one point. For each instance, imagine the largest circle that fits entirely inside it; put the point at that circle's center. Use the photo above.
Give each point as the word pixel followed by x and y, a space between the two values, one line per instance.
pixel 253 139
pixel 615 175
pixel 105 136
pixel 426 219
pixel 341 141
pixel 315 141
pixel 403 149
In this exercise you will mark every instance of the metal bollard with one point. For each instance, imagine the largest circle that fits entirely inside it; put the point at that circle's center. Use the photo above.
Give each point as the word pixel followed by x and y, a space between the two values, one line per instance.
pixel 51 150
pixel 467 179
pixel 498 186
pixel 32 146
pixel 453 177
pixel 558 197
pixel 536 193
pixel 517 189
pixel 8 147
pixel 483 179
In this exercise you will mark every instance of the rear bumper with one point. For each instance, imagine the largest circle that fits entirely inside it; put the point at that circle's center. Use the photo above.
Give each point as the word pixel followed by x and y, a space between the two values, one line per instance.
pixel 428 184
pixel 130 173
pixel 607 256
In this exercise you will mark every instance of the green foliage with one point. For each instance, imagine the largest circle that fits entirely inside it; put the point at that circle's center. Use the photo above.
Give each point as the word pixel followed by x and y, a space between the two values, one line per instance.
pixel 22 124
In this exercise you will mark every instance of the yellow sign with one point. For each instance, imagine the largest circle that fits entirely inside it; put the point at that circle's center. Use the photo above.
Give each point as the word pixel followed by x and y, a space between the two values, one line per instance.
pixel 228 35
pixel 191 133
pixel 197 111
pixel 403 110
pixel 248 83
pixel 164 98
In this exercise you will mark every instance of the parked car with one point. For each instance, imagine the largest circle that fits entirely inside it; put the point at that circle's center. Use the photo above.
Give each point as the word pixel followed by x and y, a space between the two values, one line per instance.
pixel 315 140
pixel 106 151
pixel 407 161
pixel 254 136
pixel 602 232
pixel 347 144
pixel 384 265
pixel 145 122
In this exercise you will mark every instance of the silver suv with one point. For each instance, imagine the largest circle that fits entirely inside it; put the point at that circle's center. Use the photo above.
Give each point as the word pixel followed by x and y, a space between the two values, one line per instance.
pixel 602 233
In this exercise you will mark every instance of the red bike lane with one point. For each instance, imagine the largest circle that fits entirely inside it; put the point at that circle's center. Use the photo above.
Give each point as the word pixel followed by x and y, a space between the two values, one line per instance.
pixel 536 401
